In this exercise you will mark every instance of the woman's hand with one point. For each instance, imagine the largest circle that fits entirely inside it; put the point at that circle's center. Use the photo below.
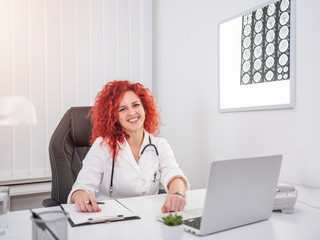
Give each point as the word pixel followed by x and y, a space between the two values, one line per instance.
pixel 173 203
pixel 85 202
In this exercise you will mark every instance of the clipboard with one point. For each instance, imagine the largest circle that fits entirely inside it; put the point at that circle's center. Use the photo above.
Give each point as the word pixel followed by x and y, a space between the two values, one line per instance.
pixel 111 211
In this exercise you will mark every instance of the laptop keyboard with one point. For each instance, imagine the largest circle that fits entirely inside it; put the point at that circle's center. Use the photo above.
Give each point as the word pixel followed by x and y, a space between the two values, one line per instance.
pixel 193 222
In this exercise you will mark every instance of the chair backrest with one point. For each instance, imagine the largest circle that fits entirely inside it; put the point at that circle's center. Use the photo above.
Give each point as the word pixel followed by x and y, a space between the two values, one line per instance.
pixel 68 146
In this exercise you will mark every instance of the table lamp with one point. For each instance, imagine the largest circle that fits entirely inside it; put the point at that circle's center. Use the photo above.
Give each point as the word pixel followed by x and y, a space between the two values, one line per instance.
pixel 16 110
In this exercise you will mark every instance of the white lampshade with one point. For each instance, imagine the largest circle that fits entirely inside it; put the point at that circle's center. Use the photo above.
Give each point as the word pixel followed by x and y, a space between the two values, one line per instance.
pixel 15 110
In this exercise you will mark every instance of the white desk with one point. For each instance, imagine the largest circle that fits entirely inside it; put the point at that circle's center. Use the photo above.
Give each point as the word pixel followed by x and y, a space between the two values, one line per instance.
pixel 303 224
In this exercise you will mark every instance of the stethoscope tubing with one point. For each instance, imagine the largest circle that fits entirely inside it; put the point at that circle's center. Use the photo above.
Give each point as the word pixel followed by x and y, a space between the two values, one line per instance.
pixel 112 170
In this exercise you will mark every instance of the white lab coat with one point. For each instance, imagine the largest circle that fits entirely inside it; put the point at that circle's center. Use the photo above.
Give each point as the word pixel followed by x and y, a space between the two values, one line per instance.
pixel 129 178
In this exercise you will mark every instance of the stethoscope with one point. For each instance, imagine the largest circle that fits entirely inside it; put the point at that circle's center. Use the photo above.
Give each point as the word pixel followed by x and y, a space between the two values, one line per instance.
pixel 112 170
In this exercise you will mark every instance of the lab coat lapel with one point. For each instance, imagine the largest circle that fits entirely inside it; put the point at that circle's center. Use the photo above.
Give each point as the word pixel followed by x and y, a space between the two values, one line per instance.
pixel 128 153
pixel 128 156
pixel 144 143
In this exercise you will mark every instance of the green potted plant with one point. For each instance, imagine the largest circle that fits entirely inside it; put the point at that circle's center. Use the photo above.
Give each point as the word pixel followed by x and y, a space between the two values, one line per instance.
pixel 172 227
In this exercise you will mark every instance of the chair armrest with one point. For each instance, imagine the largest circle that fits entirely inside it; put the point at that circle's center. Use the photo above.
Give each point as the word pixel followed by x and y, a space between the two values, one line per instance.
pixel 50 202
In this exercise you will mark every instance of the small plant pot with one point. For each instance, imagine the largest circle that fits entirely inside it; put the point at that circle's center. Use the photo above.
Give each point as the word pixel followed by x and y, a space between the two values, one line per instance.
pixel 172 232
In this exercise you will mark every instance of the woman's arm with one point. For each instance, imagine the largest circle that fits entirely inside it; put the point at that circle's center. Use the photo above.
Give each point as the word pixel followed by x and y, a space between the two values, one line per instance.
pixel 172 178
pixel 177 185
pixel 88 180
pixel 170 170
pixel 175 200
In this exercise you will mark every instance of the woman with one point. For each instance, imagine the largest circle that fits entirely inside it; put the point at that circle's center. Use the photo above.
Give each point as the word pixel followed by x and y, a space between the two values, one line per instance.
pixel 125 159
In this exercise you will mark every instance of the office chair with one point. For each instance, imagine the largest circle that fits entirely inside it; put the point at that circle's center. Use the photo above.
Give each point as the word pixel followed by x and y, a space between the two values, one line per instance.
pixel 68 146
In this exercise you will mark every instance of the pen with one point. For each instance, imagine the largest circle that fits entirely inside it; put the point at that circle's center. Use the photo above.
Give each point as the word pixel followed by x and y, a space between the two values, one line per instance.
pixel 154 176
pixel 89 202
pixel 105 219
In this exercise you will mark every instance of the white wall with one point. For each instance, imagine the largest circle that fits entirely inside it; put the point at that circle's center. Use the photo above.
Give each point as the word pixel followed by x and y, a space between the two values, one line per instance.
pixel 187 90
pixel 59 54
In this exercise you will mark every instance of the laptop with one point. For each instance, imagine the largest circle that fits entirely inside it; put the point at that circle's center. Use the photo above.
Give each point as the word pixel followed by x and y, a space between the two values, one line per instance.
pixel 239 192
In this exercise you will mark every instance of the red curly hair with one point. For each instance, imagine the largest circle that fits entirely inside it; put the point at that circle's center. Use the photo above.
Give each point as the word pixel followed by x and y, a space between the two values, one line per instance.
pixel 105 113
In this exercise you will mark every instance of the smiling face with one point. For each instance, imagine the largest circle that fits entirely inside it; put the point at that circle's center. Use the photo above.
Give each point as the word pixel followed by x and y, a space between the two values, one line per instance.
pixel 131 113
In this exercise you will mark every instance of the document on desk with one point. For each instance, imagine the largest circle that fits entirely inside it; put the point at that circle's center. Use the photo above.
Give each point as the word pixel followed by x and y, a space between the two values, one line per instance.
pixel 111 211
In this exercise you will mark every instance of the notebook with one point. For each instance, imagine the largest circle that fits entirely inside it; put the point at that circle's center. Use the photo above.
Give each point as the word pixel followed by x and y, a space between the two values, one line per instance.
pixel 239 192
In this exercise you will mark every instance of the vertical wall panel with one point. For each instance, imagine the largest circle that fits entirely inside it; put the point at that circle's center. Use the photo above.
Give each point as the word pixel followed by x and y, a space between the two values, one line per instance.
pixel 134 40
pixel 155 83
pixel 37 85
pixel 52 66
pixel 82 52
pixel 122 22
pixel 5 84
pixel 20 82
pixel 96 44
pixel 146 43
pixel 109 41
pixel 67 49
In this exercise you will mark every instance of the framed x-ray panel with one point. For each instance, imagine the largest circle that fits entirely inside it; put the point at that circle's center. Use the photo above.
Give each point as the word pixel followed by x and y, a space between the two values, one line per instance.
pixel 257 58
